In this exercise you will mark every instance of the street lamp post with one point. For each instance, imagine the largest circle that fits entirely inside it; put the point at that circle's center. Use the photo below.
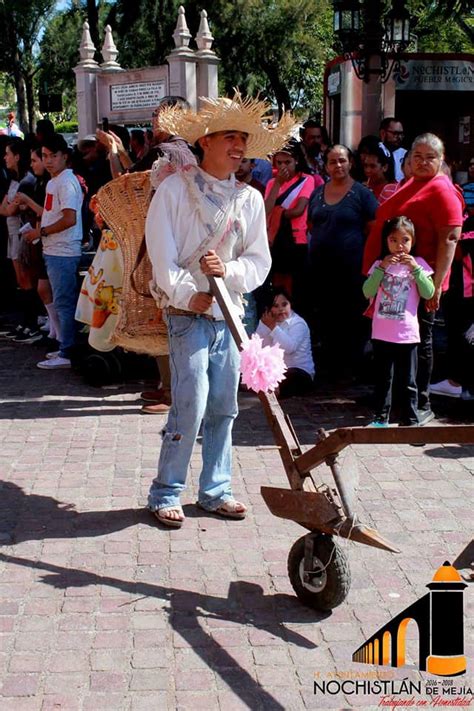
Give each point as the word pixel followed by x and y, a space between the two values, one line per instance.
pixel 373 39
pixel 367 33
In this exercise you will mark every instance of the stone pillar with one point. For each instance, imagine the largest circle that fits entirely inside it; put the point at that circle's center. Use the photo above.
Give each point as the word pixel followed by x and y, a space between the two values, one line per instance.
pixel 109 53
pixel 351 106
pixel 182 63
pixel 372 100
pixel 86 84
pixel 207 68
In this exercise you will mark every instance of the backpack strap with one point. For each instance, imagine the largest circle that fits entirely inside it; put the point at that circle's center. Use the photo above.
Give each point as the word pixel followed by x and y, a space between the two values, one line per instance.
pixel 289 190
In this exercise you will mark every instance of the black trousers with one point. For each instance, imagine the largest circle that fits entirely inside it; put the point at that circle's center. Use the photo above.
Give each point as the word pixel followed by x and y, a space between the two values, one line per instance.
pixel 425 356
pixel 399 358
pixel 459 316
pixel 300 299
pixel 296 382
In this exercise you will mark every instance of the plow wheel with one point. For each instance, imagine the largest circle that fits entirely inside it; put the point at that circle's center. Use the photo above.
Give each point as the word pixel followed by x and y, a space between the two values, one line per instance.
pixel 319 571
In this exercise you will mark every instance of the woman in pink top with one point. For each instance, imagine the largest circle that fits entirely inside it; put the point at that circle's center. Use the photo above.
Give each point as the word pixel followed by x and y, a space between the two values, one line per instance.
pixel 396 282
pixel 286 204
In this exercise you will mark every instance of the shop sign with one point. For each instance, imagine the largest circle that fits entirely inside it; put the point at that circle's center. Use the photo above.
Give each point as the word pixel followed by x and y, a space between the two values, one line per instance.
pixel 434 75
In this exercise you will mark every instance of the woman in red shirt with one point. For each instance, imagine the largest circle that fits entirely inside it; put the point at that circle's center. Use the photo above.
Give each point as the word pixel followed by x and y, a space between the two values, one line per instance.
pixel 435 207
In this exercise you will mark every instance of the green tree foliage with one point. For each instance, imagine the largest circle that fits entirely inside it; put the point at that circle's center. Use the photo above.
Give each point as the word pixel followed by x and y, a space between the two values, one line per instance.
pixel 59 53
pixel 21 23
pixel 143 30
pixel 278 47
pixel 7 91
pixel 444 26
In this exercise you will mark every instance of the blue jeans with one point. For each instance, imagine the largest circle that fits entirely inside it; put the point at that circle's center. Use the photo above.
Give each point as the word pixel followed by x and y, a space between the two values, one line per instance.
pixel 62 273
pixel 204 364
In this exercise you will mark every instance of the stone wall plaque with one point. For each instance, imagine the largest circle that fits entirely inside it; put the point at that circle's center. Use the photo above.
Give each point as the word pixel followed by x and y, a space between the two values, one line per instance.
pixel 131 96
pixel 139 95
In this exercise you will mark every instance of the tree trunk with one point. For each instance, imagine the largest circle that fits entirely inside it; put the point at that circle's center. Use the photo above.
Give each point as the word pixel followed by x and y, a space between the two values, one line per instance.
pixel 163 25
pixel 30 101
pixel 20 94
pixel 282 95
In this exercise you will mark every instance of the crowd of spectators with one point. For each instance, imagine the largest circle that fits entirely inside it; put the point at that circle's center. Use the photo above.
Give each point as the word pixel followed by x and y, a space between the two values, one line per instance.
pixel 326 211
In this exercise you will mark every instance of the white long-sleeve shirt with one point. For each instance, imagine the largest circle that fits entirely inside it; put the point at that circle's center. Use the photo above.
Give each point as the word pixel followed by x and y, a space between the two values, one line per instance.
pixel 174 230
pixel 294 337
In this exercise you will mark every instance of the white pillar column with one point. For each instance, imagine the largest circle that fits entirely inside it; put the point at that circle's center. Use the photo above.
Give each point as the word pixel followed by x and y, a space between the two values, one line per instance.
pixel 208 61
pixel 109 53
pixel 182 63
pixel 86 84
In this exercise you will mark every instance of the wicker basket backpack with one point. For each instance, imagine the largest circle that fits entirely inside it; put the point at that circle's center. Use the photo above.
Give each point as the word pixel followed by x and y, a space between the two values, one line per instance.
pixel 123 204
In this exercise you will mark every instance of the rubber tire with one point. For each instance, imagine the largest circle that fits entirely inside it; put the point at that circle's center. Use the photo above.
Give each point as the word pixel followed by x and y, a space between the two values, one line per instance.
pixel 338 573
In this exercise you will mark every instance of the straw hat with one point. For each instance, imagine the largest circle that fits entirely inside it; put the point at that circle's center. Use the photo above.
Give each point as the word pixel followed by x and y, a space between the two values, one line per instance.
pixel 250 116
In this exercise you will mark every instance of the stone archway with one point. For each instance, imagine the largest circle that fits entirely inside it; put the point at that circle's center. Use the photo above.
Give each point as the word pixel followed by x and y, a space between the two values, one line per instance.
pixel 386 647
pixel 402 639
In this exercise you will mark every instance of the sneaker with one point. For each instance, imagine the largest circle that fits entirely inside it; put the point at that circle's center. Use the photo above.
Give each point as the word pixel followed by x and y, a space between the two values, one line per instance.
pixel 28 336
pixel 45 326
pixel 425 416
pixel 378 423
pixel 445 388
pixel 14 332
pixel 54 363
pixel 52 354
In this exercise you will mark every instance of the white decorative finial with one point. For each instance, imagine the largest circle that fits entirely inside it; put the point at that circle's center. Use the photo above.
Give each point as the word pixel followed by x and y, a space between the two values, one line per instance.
pixel 204 38
pixel 181 35
pixel 110 52
pixel 87 48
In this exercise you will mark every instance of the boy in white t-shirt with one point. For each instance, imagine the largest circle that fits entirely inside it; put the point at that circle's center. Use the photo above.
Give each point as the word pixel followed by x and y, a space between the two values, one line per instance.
pixel 61 234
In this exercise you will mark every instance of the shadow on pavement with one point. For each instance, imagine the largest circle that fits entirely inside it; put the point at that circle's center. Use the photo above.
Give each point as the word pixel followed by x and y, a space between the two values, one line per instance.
pixel 20 408
pixel 27 517
pixel 185 605
pixel 449 452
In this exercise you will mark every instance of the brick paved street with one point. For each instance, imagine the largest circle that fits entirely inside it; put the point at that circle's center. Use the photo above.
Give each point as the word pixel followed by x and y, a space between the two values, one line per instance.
pixel 101 609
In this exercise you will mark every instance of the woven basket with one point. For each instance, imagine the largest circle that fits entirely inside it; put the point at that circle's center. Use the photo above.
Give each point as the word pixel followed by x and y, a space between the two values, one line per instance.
pixel 123 204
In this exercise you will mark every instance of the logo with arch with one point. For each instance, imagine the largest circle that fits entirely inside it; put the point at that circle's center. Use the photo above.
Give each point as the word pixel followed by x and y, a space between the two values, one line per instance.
pixel 440 620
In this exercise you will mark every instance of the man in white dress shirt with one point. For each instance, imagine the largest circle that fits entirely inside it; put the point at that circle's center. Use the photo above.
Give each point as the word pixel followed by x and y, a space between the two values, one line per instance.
pixel 391 138
pixel 203 222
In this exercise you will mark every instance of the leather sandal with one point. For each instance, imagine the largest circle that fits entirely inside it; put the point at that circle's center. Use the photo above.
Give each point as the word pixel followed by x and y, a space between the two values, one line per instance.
pixel 155 408
pixel 229 509
pixel 161 515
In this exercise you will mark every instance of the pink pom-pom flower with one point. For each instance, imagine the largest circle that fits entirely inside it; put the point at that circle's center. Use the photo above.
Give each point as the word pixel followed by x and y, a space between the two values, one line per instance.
pixel 262 367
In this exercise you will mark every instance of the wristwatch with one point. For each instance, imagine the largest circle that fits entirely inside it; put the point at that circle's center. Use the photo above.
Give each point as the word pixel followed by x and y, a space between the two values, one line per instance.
pixel 43 232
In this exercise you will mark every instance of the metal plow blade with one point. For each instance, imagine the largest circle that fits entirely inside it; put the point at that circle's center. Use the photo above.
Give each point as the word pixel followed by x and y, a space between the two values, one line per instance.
pixel 310 509
pixel 315 511
pixel 361 533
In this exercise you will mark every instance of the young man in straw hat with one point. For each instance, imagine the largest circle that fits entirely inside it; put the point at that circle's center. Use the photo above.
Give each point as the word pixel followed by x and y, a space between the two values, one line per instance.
pixel 203 222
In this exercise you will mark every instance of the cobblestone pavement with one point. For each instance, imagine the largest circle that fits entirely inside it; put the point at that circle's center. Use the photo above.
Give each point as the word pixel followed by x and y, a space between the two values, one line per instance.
pixel 101 609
